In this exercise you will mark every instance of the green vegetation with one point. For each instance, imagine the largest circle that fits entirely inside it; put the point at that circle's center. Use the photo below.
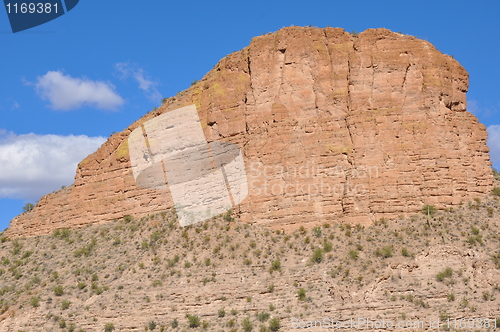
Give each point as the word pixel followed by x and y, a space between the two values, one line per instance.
pixel 28 207
pixel 274 324
pixel 301 294
pixel 384 252
pixel 247 325
pixel 317 256
pixel 447 273
pixel 35 301
pixel 59 290
pixel 275 266
pixel 193 321
pixel 65 304
pixel 109 327
pixel 429 210
pixel 353 254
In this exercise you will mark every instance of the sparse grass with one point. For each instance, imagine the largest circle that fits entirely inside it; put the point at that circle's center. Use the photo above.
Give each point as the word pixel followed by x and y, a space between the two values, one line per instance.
pixel 447 273
pixel 384 252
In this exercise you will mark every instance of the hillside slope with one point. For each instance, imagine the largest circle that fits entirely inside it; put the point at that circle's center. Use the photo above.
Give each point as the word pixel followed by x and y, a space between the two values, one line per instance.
pixel 149 274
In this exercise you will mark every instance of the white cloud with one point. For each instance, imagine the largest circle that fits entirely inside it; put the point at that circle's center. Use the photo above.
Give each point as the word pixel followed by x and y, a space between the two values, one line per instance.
pixel 145 83
pixel 65 92
pixel 33 165
pixel 494 144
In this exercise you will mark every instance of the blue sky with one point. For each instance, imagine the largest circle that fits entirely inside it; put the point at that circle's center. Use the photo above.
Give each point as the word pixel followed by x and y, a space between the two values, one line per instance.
pixel 65 86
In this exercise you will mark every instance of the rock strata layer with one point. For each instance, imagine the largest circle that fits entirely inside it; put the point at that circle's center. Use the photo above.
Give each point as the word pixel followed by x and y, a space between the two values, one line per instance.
pixel 333 128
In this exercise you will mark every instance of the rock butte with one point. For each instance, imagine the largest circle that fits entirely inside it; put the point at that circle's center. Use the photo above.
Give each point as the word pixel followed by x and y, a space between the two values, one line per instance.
pixel 333 128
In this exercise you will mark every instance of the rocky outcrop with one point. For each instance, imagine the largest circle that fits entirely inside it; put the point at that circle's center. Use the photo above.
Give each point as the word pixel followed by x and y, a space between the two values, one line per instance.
pixel 332 127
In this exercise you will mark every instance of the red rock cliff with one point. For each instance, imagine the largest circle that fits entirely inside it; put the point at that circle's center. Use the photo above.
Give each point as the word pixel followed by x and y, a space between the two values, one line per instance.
pixel 333 127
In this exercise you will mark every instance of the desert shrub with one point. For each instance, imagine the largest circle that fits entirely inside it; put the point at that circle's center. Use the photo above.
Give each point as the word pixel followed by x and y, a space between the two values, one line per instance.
pixel 496 191
pixel 109 327
pixel 156 283
pixel 405 252
pixel 193 321
pixel 446 273
pixel 59 290
pixel 450 297
pixel 301 294
pixel 35 301
pixel 28 207
pixel 221 313
pixel 317 256
pixel 353 254
pixel 475 238
pixel 16 247
pixel 385 252
pixel 175 323
pixel 65 304
pixel 247 325
pixel 86 250
pixel 152 325
pixel 327 246
pixel 275 266
pixel 228 215
pixel 263 316
pixel 274 324
pixel 317 231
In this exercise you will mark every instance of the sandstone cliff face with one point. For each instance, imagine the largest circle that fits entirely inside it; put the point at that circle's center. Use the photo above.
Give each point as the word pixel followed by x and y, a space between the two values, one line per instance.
pixel 333 127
